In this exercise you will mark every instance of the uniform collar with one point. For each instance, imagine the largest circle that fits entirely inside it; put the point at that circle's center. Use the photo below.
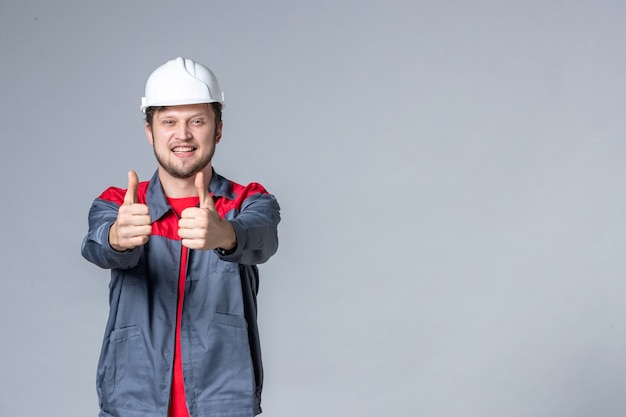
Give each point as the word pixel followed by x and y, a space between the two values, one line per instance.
pixel 157 202
pixel 220 186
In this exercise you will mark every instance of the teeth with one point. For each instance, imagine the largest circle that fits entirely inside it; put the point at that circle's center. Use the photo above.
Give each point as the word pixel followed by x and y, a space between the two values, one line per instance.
pixel 182 149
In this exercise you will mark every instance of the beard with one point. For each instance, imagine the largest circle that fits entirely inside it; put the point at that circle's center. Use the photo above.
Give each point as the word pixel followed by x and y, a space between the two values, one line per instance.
pixel 186 170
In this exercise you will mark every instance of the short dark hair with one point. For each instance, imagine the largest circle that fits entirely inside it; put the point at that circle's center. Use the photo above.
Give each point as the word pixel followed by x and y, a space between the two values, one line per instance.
pixel 152 110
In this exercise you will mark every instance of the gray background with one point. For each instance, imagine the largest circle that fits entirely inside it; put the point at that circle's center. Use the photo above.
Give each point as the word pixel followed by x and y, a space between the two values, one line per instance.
pixel 450 173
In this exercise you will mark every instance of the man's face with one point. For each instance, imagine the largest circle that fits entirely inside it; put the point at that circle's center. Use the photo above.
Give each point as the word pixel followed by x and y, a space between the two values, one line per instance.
pixel 184 138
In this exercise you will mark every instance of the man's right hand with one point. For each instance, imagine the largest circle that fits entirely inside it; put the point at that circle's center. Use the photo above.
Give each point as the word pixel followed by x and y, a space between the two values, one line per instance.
pixel 133 225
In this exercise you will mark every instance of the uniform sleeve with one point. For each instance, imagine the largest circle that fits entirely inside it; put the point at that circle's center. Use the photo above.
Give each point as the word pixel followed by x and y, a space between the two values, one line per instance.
pixel 256 227
pixel 95 247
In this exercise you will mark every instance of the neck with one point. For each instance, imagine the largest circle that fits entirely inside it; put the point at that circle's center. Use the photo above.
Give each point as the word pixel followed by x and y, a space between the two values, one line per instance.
pixel 182 187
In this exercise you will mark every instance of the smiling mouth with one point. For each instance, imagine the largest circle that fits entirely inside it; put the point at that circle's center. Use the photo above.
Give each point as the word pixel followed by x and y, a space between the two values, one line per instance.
pixel 183 149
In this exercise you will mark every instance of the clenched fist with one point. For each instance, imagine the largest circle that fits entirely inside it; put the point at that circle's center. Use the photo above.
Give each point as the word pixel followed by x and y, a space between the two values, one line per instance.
pixel 202 227
pixel 133 225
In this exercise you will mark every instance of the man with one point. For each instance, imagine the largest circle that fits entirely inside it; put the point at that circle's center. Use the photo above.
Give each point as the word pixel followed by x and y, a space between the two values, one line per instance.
pixel 182 338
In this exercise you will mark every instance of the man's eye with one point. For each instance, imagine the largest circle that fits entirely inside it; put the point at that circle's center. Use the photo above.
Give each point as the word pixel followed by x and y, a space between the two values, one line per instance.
pixel 197 122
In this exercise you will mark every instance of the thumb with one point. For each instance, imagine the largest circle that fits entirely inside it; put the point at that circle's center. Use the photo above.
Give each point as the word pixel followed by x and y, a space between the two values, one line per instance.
pixel 205 198
pixel 131 193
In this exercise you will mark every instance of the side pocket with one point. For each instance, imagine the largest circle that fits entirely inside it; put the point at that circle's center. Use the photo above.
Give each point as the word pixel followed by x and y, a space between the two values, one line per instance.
pixel 227 370
pixel 126 351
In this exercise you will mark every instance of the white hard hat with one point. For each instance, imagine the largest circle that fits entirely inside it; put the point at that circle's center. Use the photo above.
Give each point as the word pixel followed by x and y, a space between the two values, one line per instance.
pixel 181 81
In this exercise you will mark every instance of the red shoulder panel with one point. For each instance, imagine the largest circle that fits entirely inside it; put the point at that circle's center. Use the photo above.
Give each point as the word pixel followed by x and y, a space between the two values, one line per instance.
pixel 116 195
pixel 224 205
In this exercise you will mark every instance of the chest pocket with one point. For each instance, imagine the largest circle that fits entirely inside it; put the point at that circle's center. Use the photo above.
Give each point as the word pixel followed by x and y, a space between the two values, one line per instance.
pixel 205 264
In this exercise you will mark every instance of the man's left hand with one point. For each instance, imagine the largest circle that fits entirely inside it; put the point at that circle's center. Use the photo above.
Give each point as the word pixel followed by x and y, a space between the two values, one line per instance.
pixel 202 227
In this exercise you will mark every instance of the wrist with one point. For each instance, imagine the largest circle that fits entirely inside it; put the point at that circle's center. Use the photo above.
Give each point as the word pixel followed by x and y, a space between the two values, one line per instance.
pixel 230 244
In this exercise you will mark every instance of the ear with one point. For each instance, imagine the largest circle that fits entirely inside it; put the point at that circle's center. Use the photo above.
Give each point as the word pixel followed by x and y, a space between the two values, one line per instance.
pixel 149 134
pixel 218 132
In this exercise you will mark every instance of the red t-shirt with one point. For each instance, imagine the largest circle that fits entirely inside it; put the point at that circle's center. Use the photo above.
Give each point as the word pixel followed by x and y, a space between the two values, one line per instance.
pixel 178 403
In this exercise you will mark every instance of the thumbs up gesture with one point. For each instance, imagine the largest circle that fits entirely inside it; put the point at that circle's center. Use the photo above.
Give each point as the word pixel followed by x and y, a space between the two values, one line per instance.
pixel 133 225
pixel 202 227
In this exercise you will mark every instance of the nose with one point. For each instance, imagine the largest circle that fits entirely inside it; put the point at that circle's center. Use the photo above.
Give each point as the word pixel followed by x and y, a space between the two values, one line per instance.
pixel 182 131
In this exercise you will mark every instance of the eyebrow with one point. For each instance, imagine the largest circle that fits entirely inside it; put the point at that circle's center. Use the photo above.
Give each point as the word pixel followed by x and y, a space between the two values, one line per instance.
pixel 164 114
